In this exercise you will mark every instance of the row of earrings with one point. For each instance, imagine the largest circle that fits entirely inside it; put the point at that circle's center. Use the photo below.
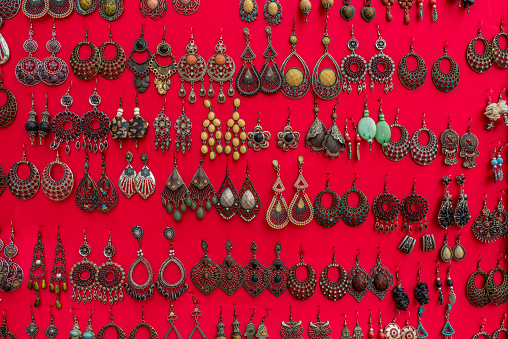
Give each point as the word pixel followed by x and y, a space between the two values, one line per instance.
pixel 490 291
pixel 108 10
pixel 491 226
pixel 481 63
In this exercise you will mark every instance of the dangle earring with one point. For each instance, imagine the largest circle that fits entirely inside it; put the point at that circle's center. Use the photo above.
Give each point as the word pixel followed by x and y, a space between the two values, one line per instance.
pixel 111 69
pixel 499 54
pixel 3 186
pixel 256 275
pixel 302 290
pixel 236 334
pixel 24 189
pixel 353 76
pixel 31 124
pixel 386 209
pixel 447 330
pixel 248 82
pixel 334 143
pixel 368 12
pixel 272 11
pixel 44 127
pixel 445 82
pixel 57 190
pixel 119 127
pixel 206 275
pixel 359 283
pixel 478 297
pixel 496 163
pixel 145 181
pixel 452 297
pixel 262 332
pixel 171 290
pixel 270 74
pixel 381 278
pixel 420 330
pixel 439 285
pixel 345 333
pixel 317 132
pixel 107 197
pixel 27 69
pixel 396 151
pixel 461 215
pixel 419 215
pixel 392 330
pixel 95 137
pixel 319 329
pixel 354 216
pixel 250 329
pixel 485 227
pixel 220 327
pixel 291 329
pixel 53 70
pixel 278 274
pixel 201 192
pixel 162 74
pixel 424 155
pixel 109 290
pixel 333 290
pixel 480 63
pixel 183 127
pixel 232 273
pixel 59 272
pixel 500 329
pixel 469 147
pixel 38 269
pixel 192 68
pixel 8 110
pixel 327 217
pixel 235 133
pixel 445 217
pixel 258 139
pixel 51 330
pixel 59 122
pixel 141 70
pixel 277 214
pixel 184 7
pixel 399 296
pixel 326 83
pixel 300 209
pixel 34 10
pixel 10 9
pixel 296 82
pixel 87 192
pixel 406 5
pixel 348 140
pixel 220 68
pixel 408 78
pixel 155 10
pixel 375 73
pixel 110 9
pixel 119 331
pixel 498 294
pixel 84 285
pixel 358 139
pixel 421 289
pixel 227 197
pixel 127 180
pixel 458 251
pixel 347 11
pixel 408 331
pixel 482 332
pixel 137 125
pixel 149 328
pixel 162 125
pixel 76 332
pixel 250 203
pixel 85 69
pixel 501 217
pixel 248 10
pixel 32 329
pixel 494 110
pixel 172 319
pixel 12 273
pixel 211 135
pixel 449 144
pixel 175 195
pixel 288 139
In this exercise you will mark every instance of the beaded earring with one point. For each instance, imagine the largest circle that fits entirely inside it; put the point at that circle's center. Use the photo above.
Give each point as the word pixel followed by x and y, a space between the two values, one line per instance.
pixel 211 135
pixel 256 275
pixel 140 69
pixel 480 63
pixel 83 286
pixel 57 190
pixel 31 124
pixel 347 139
pixel 335 290
pixel 85 69
pixel 445 82
pixel 271 76
pixel 248 81
pixel 277 215
pixel 359 283
pixel 445 217
pixel 163 74
pixel 192 68
pixel 327 83
pixel 353 76
pixel 201 192
pixel 206 274
pixel 288 138
pixel 357 215
pixel 37 270
pixel 497 162
pixel 296 82
pixel 248 10
pixel 35 10
pixel 44 127
pixel 424 155
pixel 109 290
pixel 302 290
pixel 175 195
pixel 59 272
pixel 386 218
pixel 27 69
pixel 499 54
pixel 462 215
pixel 3 186
pixel 139 291
pixel 327 217
pixel 235 134
pixel 291 329
pixel 316 133
pixel 418 215
pixel 449 144
pixel 228 200
pixel 171 290
pixel 408 78
pixel 381 278
pixel 376 75
pixel 300 209
pixel 420 330
pixel 232 273
pixel 469 147
pixel 220 68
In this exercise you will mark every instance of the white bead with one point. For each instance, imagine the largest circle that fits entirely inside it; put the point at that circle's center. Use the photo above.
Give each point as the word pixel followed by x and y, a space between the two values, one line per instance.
pixel 37 262
pixel 59 275
pixel 433 6
pixel 438 279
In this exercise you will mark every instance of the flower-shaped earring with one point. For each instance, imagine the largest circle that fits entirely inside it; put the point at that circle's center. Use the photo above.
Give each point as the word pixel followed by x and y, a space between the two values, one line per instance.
pixel 258 138
pixel 288 139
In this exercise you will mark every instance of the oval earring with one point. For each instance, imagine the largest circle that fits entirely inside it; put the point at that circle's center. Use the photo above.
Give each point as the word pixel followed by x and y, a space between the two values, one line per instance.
pixel 139 291
pixel 498 294
pixel 272 12
pixel 381 278
pixel 248 10
pixel 412 79
pixel 334 290
pixel 359 283
pixel 110 9
pixel 499 54
pixel 171 290
pixel 396 151
pixel 354 216
pixel 424 155
pixel 85 69
pixel 9 110
pixel 478 297
pixel 57 190
pixel 24 189
pixel 458 251
pixel 120 334
pixel 250 203
pixel 445 82
pixel 141 70
pixel 327 217
pixel 296 82
pixel 85 7
pixel 502 328
pixel 300 209
pixel 227 197
pixel 114 68
pixel 302 290
pixel 480 63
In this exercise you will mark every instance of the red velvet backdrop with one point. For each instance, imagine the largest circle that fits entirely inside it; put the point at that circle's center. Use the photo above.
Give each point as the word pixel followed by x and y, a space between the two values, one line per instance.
pixel 468 100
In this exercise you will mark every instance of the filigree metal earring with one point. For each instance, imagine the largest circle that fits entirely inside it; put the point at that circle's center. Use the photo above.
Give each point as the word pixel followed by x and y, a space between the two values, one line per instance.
pixel 149 328
pixel 9 9
pixel 96 138
pixel 59 272
pixel 478 297
pixel 481 333
pixel 192 68
pixel 87 192
pixel 291 329
pixel 502 328
pixel 354 216
pixel 27 69
pixel 250 329
pixel 277 214
pixel 258 139
pixel 445 216
pixel 57 190
pixel 206 275
pixel 300 209
pixel 145 181
pixel 59 122
pixel 288 139
pixel 32 329
pixel 386 209
pixel 109 290
pixel 272 12
pixel 486 227
pixel 154 9
pixel 262 332
pixel 271 76
pixel 163 74
pixel 120 334
pixel 111 69
pixel 327 217
pixel 13 273
pixel 449 144
pixel 334 143
pixel 461 215
pixel 172 319
pixel 140 69
pixel 85 69
pixel 501 218
pixel 227 197
pixel 480 63
pixel 53 70
pixel 211 135
pixel 31 123
pixel 248 10
pixel 396 151
pixel 232 273
pixel 171 290
pixel 400 297
pixel 445 82
pixel 381 278
pixel 186 7
pixel 220 68
pixel 414 209
pixel 499 54
pixel 37 271
pixel 127 180
pixel 235 134
pixel 256 275
pixel 353 76
pixel 250 203
pixel 424 155
pixel 24 189
pixel 386 63
pixel 236 334
pixel 302 290
pixel 248 81
pixel 469 147
pixel 296 82
pixel 359 283
pixel 51 330
pixel 412 79
pixel 175 194
pixel 326 83
pixel 44 128
pixel 183 127
pixel 420 330
pixel 278 274
pixel 110 9
pixel 498 294
pixel 162 125
pixel 8 110
pixel 137 125
pixel 107 197
pixel 83 275
pixel 319 329
pixel 334 290
pixel 316 133
pixel 497 162
pixel 35 10
pixel 201 192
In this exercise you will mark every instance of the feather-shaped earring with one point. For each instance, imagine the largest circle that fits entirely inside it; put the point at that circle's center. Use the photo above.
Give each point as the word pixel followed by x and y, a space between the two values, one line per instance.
pixel 145 181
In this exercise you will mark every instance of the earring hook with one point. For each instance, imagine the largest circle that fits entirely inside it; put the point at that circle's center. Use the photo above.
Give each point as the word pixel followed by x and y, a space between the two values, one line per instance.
pixel 398 315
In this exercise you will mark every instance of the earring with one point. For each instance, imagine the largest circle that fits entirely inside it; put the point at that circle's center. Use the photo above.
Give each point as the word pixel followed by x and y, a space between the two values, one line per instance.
pixel 140 69
pixel 66 117
pixel 351 76
pixel 446 253
pixel 296 82
pixel 496 163
pixel 319 329
pixel 220 327
pixel 32 329
pixel 277 214
pixel 291 329
pixel 196 313
pixel 448 330
pixel 145 181
pixel 334 143
pixel 201 190
pixel 85 8
pixel 345 333
pixel 31 124
pixel 110 9
pixel 248 10
pixel 501 217
pixel 424 155
pixel 104 286
pixel 445 82
pixel 206 275
pixel 359 283
pixel 469 148
pixel 171 290
pixel 8 110
pixel 137 125
pixel 399 296
pixel 420 330
pixel 58 273
pixel 407 245
pixel 449 144
pixel 175 195
pixel 85 69
pixel 250 329
pixel 408 331
pixel 220 68
pixel 272 12
pixel 111 69
pixel 258 139
pixel 10 11
pixel 137 291
pixel 381 278
pixel 333 290
pixel 270 74
pixel 84 288
pixel 44 128
pixel 35 10
pixel 392 330
pixel 302 290
pixel 386 209
pixel 408 78
pixel 107 197
pixel 421 289
pixel 51 330
pixel 250 203
pixel 162 74
pixel 192 68
pixel 278 274
pixel 368 13
pixel 499 55
pixel 451 295
pixel 354 216
pixel 478 297
pixel 24 189
pixel 462 215
pixel 480 63
pixel 227 197
pixel 155 10
pixel 53 70
pixel 300 209
pixel 162 125
pixel 288 139
pixel 347 11
pixel 57 190
pixel 87 192
pixel 317 132
pixel 119 331
pixel 418 216
pixel 494 110
pixel 232 273
pixel 37 270
pixel 127 180
pixel 498 294
pixel 76 332
pixel 388 4
pixel 326 83
pixel 151 331
pixel 327 217
pixel 172 318
pixel 27 69
pixel 396 151
pixel 485 227
pixel 383 131
pixel 262 332
pixel 96 138
pixel 237 137
pixel 184 7
pixel 458 252
pixel 500 329
pixel 3 186
pixel 256 275
pixel 446 217
pixel 385 76
pixel 482 332
pixel 248 82
pixel 358 139
pixel 211 135
pixel 406 6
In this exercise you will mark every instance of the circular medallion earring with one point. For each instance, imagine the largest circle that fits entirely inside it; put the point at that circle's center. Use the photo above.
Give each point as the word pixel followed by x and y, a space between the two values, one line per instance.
pixel 96 138
pixel 87 191
pixel 110 278
pixel 354 216
pixel 154 9
pixel 8 110
pixel 499 54
pixel 498 294
pixel 27 69
pixel 57 190
pixel 248 81
pixel 120 334
pixel 141 70
pixel 352 76
pixel 381 278
pixel 409 78
pixel 35 9
pixel 53 70
pixel 296 82
pixel 271 76
pixel 83 276
pixel 469 147
pixel 392 330
pixel 445 82
pixel 449 144
pixel 397 150
pixel 85 69
pixel 163 74
pixel 327 217
pixel 192 68
pixel 359 283
pixel 482 332
pixel 302 290
pixel 220 68
pixel 480 63
pixel 408 331
pixel 206 274
pixel 139 291
pixel 300 209
pixel 185 7
pixel 14 276
pixel 59 122
pixel 85 7
pixel 171 290
pixel 277 215
pixel 334 290
pixel 386 209
pixel 327 83
pixel 232 273
pixel 478 297
pixel 424 155
pixel 414 209
pixel 278 274
pixel 24 189
pixel 386 63
pixel 114 68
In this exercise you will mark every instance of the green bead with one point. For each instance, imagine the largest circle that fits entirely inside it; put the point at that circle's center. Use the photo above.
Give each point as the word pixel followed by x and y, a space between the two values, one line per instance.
pixel 208 205
pixel 183 208
pixel 214 200
pixel 51 288
pixel 367 128
pixel 30 284
pixel 37 302
pixel 383 132
pixel 164 202
pixel 201 213
pixel 177 215
pixel 169 208
pixel 188 201
pixel 193 206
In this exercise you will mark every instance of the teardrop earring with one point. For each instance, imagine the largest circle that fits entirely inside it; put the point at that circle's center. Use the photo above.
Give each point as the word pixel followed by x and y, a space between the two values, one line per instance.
pixel 278 275
pixel 271 76
pixel 85 69
pixel 171 290
pixel 183 127
pixel 250 203
pixel 277 215
pixel 334 143
pixel 445 217
pixel 107 197
pixel 327 217
pixel 227 197
pixel 145 181
pixel 256 275
pixel 424 155
pixel 58 273
pixel 381 278
pixel 461 215
pixel 175 194
pixel 300 209
pixel 449 144
pixel 232 273
pixel 272 12
pixel 248 82
pixel 87 191
pixel 201 192
pixel 296 82
pixel 316 133
pixel 458 251
pixel 469 147
pixel 396 151
pixel 135 290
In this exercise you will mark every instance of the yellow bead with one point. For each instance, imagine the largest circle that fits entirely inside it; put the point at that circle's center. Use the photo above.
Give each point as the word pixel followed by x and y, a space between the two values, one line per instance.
pixel 58 304
pixel 204 149
pixel 243 136
pixel 327 77
pixel 236 129
pixel 57 288
pixel 211 142
pixel 236 102
pixel 236 142
pixel 64 287
pixel 43 284
pixel 241 123
pixel 216 122
pixel 212 155
pixel 273 9
pixel 211 115
pixel 236 155
pixel 51 288
pixel 294 77
pixel 236 116
pixel 211 128
pixel 230 123
pixel 227 136
pixel 218 135
pixel 36 286
pixel 243 149
pixel 204 136
pixel 227 149
pixel 206 123
pixel 207 103
pixel 219 149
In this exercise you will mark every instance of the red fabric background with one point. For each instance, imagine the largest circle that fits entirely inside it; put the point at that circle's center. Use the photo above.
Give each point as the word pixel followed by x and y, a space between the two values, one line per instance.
pixel 466 101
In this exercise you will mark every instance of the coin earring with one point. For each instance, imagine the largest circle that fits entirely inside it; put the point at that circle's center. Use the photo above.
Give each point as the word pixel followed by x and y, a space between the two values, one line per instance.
pixel 335 290
pixel 352 76
pixel 24 189
pixel 449 144
pixel 57 190
pixel 232 273
pixel 499 54
pixel 27 69
pixel 53 70
pixel 96 138
pixel 461 215
pixel 175 195
pixel 220 68
pixel 258 139
pixel 250 203
pixel 300 209
pixel 141 70
pixel 59 272
pixel 327 217
pixel 386 209
pixel 424 155
pixel 480 63
pixel 277 214
pixel 8 110
pixel 111 69
pixel 206 274
pixel 392 330
pixel 288 139
pixel 408 331
pixel 412 79
pixel 326 83
pixel 163 74
pixel 445 82
pixel 248 81
pixel 469 147
pixel 295 82
pixel 201 192
pixel 192 68
pixel 154 9
pixel 270 74
pixel 359 283
pixel 302 290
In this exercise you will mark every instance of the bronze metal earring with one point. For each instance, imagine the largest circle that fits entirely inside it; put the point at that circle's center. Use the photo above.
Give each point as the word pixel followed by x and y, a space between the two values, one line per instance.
pixel 359 283
pixel 478 297
pixel 114 68
pixel 232 273
pixel 220 68
pixel 186 7
pixel 13 272
pixel 279 273
pixel 449 144
pixel 85 7
pixel 162 126
pixel 317 132
pixel 85 69
pixel 469 147
pixel 59 272
pixel 37 271
pixel 248 81
pixel 175 195
pixel 277 214
pixel 271 77
pixel 327 82
pixel 302 290
pixel 250 203
pixel 192 68
pixel 320 329
pixel 8 110
pixel 87 192
pixel 107 197
pixel 141 70
pixel 154 9
pixel 206 275
pixel 295 82
pixel 381 278
pixel 291 329
pixel 35 10
pixel 256 275
pixel 201 192
pixel 57 190
pixel 288 138
pixel 334 290
pixel 334 143
pixel 110 9
pixel 163 74
pixel 24 189
pixel 227 197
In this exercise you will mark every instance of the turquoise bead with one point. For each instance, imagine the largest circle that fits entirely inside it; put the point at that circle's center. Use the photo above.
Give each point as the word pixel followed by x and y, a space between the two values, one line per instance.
pixel 87 335
pixel 73 334
pixel 383 132
pixel 367 128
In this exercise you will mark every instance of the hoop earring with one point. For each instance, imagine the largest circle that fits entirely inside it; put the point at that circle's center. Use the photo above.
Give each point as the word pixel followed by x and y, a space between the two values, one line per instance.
pixel 462 215
pixel 136 291
pixel 277 215
pixel 485 227
pixel 368 13
pixel 359 283
pixel 58 273
pixel 155 12
pixel 48 72
pixel 60 120
pixel 300 209
pixel 9 110
pixel 302 290
pixel 258 139
pixel 288 138
pixel 350 76
pixel 296 82
pixel 111 69
pixel 24 189
pixel 334 143
pixel 502 328
pixel 27 69
pixel 35 10
pixel 327 83
pixel 319 329
pixel 256 275
pixel 120 334
pixel 163 74
pixel 247 81
pixel 327 217
pixel 449 144
pixel 228 201
pixel 410 216
pixel 445 82
pixel 110 9
pixel 206 274
pixel 291 329
pixel 95 138
pixel 386 220
pixel 232 273
pixel 171 290
pixel 108 197
pixel 497 294
pixel 424 155
pixel 333 290
pixel 377 76
pixel 408 78
pixel 175 194
pixel 469 148
pixel 151 331
pixel 141 70
pixel 57 190
pixel 357 215
pixel 381 278
pixel 220 68
pixel 83 289
pixel 396 151
pixel 478 297
pixel 278 274
pixel 270 74
pixel 500 56
pixel 85 69
pixel 192 68
pixel 480 63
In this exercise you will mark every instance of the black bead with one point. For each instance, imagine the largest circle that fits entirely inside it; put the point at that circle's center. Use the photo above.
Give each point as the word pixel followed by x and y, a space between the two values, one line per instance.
pixel 254 265
pixel 288 137
pixel 278 265
pixel 258 137
pixel 254 278
pixel 163 49
pixel 44 127
pixel 449 283
pixel 30 126
pixel 439 283
pixel 277 278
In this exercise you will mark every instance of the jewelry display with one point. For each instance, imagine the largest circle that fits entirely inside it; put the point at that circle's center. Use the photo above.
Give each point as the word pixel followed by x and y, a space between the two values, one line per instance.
pixel 24 189
pixel 277 215
pixel 445 82
pixel 381 59
pixel 57 190
pixel 326 83
pixel 111 69
pixel 345 333
pixel 270 74
pixel 141 70
pixel 291 329
pixel 66 117
pixel 44 127
pixel 319 329
pixel 8 110
pixel 96 138
pixel 408 331
pixel 302 290
pixel 162 125
pixel 211 135
pixel 392 330
pixel 317 132
pixel 416 215
pixel 485 227
pixel 37 271
pixel 399 296
pixel 258 139
pixel 327 217
pixel 412 79
pixel 352 76
pixel 201 190
pixel 368 12
pixel 85 69
pixel 262 332
pixel 248 10
pixel 120 334
pixel 172 318
pixel 9 9
pixel 58 272
pixel 407 244
pixel 500 329
pixel 250 203
pixel 256 275
pixel 499 55
pixel 175 194
pixel 296 82
pixel 347 11
pixel 447 330
pixel 462 215
pixel 480 63
pixel 272 11
pixel 162 74
pixel 83 284
pixel 107 197
pixel 53 70
pixel 235 134
pixel 27 69
pixel 154 9
pixel 250 329
pixel 192 68
pixel 35 10
pixel 354 216
pixel 300 209
pixel 196 312
pixel 386 209
pixel 127 180
pixel 221 68
pixel 359 283
pixel 232 273
pixel 498 294
pixel 381 278
pixel 228 200
pixel 278 274
pixel 396 151
pixel 171 290
pixel 206 275
pixel 333 290
pixel 110 9
pixel 424 155
pixel 184 7
pixel 248 81
pixel 288 139
pixel 87 192
pixel 469 147
pixel 367 126
pixel 421 289
pixel 31 124
pixel 449 144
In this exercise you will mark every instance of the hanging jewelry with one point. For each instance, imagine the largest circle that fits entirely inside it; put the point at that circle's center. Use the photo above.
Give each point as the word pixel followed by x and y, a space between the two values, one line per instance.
pixel 76 332
pixel 220 327
pixel 163 73
pixel 87 192
pixel 192 68
pixel 421 290
pixel 154 9
pixel 35 10
pixel 44 127
pixel 500 329
pixel 439 285
pixel 447 330
pixel 412 79
pixel 345 333
pixel 381 278
pixel 145 181
pixel 277 214
pixel 485 227
pixel 458 252
pixel 31 124
pixel 347 11
pixel 296 82
pixel 221 68
pixel 354 216
pixel 57 190
pixel 357 331
pixel 424 155
pixel 334 143
pixel 59 272
pixel 175 194
pixel 196 312
pixel 359 283
pixel 353 76
pixel 407 245
pixel 162 125
pixel 172 318
pixel 258 139
pixel 120 334
pixel 368 13
pixel 227 197
pixel 300 209
pixel 186 7
pixel 445 82
pixel 327 5
pixel 183 127
pixel 85 69
pixel 85 7
pixel 250 203
pixel 498 294
pixel 27 69
pixel 461 215
pixel 201 190
pixel 291 329
pixel 445 216
pixel 392 330
pixel 32 329
pixel 141 69
pixel 406 5
pixel 305 7
pixel 469 147
pixel 376 75
pixel 327 217
pixel 137 125
pixel 396 151
pixel 110 9
pixel 500 55
pixel 451 295
pixel 478 297
pixel 84 276
pixel 497 162
pixel 480 63
pixel 250 329
pixel 317 132
pixel 59 122
pixel 237 125
pixel 319 329
pixel 256 275
pixel 302 290
pixel 501 218
pixel 272 12
pixel 278 274
pixel 111 69
pixel 8 110
pixel 333 290
pixel 414 215
pixel 151 331
pixel 449 144
pixel 95 138
pixel 232 273
pixel 51 330
pixel 171 290
pixel 388 4
pixel 211 134
pixel 408 331
pixel 399 296
pixel 248 10
pixel 53 70
pixel 236 334
pixel 37 270
pixel 288 139
pixel 262 332
pixel 206 275
pixel 24 189
pixel 3 186
pixel 248 81
pixel 420 330
pixel 109 289
pixel 327 82
pixel 270 74
pixel 482 332
pixel 107 197
pixel 386 209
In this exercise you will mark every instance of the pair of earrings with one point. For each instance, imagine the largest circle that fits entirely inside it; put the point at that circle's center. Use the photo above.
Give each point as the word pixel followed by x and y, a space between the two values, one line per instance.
pixel 497 162
pixel 272 11
pixel 496 334
pixel 458 252
pixel 135 128
pixel 52 70
pixel 369 130
pixel 481 63
pixel 42 128
pixel 54 9
pixel 468 146
pixel 446 216
pixel 490 291
pixel 142 183
pixel 162 126
pixel 394 331
pixel 491 226
pixel 32 329
pixel 452 297
pixel 319 139
pixel 317 330
pixel 300 210
pixel 496 110
pixel 76 333
pixel 11 274
pixel 108 9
